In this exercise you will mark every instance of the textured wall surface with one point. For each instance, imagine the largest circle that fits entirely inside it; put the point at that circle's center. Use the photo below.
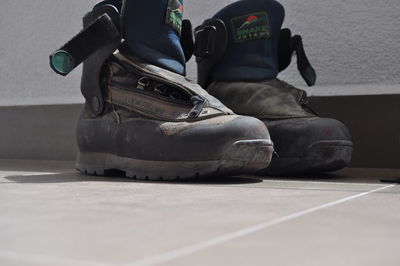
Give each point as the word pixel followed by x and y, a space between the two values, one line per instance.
pixel 348 42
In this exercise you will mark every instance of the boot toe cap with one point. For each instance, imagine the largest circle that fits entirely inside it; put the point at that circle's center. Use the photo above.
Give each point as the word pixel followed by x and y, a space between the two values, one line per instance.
pixel 214 136
pixel 309 145
pixel 295 137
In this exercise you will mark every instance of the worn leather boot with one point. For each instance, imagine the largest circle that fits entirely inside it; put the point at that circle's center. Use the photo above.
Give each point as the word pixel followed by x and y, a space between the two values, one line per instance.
pixel 240 52
pixel 142 116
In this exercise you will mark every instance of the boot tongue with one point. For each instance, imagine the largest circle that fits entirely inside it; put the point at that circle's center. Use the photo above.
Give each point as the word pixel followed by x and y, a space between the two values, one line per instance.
pixel 253 30
pixel 152 29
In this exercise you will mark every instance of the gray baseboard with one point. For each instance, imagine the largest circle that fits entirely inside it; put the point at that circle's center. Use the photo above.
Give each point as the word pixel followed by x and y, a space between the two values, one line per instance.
pixel 39 132
pixel 48 132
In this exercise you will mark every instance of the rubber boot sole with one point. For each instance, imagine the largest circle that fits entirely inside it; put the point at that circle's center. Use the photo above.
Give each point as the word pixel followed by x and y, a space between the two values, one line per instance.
pixel 242 157
pixel 322 156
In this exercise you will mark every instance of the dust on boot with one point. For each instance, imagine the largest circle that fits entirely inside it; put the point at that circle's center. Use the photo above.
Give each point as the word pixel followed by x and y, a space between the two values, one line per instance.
pixel 240 52
pixel 142 116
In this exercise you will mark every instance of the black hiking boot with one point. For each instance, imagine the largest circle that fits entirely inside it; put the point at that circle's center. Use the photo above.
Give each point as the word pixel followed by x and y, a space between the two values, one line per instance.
pixel 142 116
pixel 240 52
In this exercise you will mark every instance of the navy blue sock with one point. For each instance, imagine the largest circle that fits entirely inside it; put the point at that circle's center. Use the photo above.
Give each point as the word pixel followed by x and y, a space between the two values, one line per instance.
pixel 253 30
pixel 151 29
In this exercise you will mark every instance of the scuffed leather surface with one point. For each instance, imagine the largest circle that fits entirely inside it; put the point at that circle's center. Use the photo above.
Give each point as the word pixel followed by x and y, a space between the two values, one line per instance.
pixel 127 134
pixel 269 99
pixel 293 137
pixel 293 129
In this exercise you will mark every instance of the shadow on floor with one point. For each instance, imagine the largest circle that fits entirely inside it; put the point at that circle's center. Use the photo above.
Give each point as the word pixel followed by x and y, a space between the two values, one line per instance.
pixel 77 177
pixel 36 165
pixel 349 175
pixel 68 174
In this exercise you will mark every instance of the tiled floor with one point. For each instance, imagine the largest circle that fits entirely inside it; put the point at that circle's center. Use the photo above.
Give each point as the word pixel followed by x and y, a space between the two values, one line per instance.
pixel 51 215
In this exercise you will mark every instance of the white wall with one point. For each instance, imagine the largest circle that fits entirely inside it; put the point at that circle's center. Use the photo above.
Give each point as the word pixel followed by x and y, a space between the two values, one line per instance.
pixel 348 42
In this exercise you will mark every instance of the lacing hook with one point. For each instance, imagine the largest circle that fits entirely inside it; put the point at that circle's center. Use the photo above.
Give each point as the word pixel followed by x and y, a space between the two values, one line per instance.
pixel 160 89
pixel 143 83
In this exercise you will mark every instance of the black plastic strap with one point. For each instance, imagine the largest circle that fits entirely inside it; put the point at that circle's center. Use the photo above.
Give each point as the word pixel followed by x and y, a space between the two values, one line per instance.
pixel 285 49
pixel 303 64
pixel 88 41
pixel 205 41
pixel 287 46
pixel 211 41
pixel 187 40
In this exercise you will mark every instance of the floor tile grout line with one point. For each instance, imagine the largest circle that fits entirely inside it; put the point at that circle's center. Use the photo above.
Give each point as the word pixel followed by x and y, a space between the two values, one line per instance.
pixel 182 252
pixel 168 256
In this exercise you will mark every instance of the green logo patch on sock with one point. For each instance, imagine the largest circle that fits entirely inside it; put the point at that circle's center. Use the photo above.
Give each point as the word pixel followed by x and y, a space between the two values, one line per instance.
pixel 250 27
pixel 174 15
